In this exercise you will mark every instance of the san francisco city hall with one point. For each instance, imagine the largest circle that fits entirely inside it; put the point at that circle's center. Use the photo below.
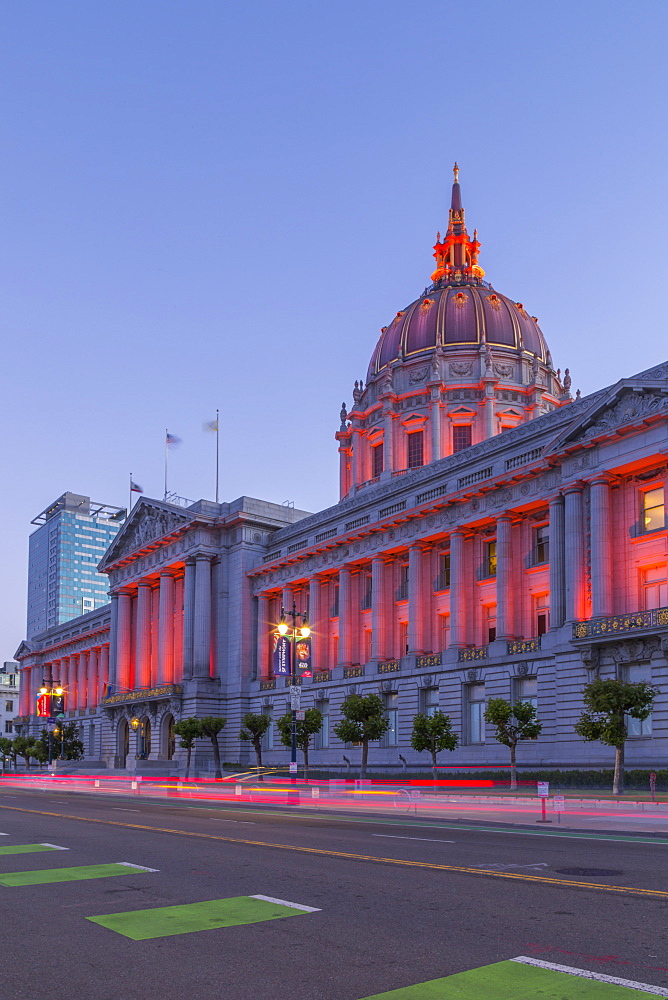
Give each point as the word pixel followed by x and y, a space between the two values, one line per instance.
pixel 494 537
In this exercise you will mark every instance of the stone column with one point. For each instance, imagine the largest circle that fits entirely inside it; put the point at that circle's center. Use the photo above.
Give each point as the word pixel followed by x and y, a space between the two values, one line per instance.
pixel 123 639
pixel 601 547
pixel 93 677
pixel 388 442
pixel 345 658
pixel 24 691
pixel 73 680
pixel 82 681
pixel 504 577
pixel 103 670
pixel 143 636
pixel 113 638
pixel 378 610
pixel 179 601
pixel 574 553
pixel 287 598
pixel 435 417
pixel 315 617
pixel 457 590
pixel 155 633
pixel 263 669
pixel 416 602
pixel 64 680
pixel 188 618
pixel 166 628
pixel 557 571
pixel 202 631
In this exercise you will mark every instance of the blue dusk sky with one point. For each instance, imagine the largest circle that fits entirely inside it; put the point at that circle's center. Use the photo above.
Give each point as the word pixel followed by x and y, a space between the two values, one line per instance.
pixel 209 203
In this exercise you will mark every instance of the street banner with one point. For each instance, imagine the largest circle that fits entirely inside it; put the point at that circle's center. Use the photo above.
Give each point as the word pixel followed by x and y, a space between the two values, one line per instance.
pixel 281 655
pixel 303 658
pixel 44 704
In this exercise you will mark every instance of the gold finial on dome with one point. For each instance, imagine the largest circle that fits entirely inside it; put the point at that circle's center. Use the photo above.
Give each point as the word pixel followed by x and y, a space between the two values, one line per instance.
pixel 455 171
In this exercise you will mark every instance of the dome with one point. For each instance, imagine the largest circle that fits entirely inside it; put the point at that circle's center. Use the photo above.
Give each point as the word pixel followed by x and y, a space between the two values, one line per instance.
pixel 457 315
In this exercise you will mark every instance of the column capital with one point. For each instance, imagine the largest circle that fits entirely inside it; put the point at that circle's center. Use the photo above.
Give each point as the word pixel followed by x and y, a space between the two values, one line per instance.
pixel 576 487
pixel 557 500
pixel 167 573
pixel 203 557
pixel 601 479
pixel 144 583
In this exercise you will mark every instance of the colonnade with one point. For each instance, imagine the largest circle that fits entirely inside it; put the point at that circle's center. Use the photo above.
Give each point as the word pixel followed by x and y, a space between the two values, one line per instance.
pixel 566 581
pixel 82 676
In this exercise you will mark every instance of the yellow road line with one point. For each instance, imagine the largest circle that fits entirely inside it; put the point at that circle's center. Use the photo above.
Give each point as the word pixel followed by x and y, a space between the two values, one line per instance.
pixel 540 879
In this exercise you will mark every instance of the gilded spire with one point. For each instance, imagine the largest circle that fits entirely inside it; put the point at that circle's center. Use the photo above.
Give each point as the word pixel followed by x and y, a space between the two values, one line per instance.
pixel 455 171
pixel 456 254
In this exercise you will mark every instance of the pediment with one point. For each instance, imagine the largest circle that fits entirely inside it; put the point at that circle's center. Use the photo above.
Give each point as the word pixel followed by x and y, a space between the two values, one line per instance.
pixel 629 403
pixel 25 649
pixel 149 521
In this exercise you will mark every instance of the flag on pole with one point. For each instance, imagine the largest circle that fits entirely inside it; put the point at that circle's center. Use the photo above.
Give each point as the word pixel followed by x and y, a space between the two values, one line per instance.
pixel 172 439
pixel 135 487
pixel 211 425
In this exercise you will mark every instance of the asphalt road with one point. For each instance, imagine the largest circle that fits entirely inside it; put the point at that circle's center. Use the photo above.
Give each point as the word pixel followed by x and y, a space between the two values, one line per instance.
pixel 398 901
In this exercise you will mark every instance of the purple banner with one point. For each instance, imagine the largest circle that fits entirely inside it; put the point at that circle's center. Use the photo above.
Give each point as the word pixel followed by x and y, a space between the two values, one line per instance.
pixel 303 657
pixel 281 655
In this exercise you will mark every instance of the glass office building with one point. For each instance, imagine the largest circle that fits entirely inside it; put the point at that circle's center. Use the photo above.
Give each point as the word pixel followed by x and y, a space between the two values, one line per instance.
pixel 72 535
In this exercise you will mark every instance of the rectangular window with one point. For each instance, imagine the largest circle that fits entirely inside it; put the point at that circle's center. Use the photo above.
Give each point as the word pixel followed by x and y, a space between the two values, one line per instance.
pixel 366 581
pixel 526 689
pixel 268 738
pixel 322 736
pixel 541 614
pixel 653 511
pixel 655 588
pixel 403 638
pixel 489 611
pixel 429 701
pixel 368 641
pixel 391 737
pixel 445 631
pixel 376 460
pixel 490 559
pixel 637 728
pixel 8 727
pixel 443 578
pixel 334 612
pixel 541 544
pixel 461 438
pixel 475 711
pixel 9 706
pixel 402 592
pixel 415 450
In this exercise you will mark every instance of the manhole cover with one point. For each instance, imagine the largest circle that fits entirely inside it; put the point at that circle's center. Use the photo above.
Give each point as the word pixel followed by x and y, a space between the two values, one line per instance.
pixel 589 871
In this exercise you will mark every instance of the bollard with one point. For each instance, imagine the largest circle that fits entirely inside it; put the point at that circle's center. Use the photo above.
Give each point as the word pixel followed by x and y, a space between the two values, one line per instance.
pixel 652 785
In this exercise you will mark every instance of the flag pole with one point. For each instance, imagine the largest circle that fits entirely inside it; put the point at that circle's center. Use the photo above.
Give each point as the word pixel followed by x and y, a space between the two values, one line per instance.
pixel 217 450
pixel 130 504
pixel 166 454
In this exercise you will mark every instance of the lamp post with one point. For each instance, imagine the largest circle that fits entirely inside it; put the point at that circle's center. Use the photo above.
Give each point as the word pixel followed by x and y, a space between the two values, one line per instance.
pixel 304 632
pixel 54 692
pixel 138 727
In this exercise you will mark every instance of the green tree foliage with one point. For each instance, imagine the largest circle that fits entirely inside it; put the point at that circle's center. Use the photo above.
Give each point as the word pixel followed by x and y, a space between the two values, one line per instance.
pixel 23 747
pixel 513 723
pixel 254 726
pixel 607 703
pixel 7 748
pixel 211 726
pixel 66 742
pixel 433 733
pixel 188 730
pixel 306 728
pixel 364 721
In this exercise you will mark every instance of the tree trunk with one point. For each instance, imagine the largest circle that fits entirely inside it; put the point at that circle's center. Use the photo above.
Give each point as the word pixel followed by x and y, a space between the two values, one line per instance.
pixel 258 757
pixel 513 769
pixel 190 750
pixel 365 754
pixel 433 765
pixel 216 757
pixel 306 762
pixel 618 780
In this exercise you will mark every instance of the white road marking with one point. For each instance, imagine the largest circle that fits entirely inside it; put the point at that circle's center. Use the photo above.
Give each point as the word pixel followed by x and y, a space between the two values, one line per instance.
pixel 429 840
pixel 4 834
pixel 284 902
pixel 141 868
pixel 123 810
pixel 658 991
pixel 505 868
pixel 55 847
pixel 241 822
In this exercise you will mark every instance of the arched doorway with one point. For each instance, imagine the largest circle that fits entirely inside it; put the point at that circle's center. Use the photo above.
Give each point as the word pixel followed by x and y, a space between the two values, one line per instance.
pixel 168 737
pixel 123 742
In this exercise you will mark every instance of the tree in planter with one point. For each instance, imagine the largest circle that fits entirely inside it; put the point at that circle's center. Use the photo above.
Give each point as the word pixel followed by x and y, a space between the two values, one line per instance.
pixel 364 721
pixel 501 713
pixel 306 728
pixel 188 730
pixel 608 702
pixel 254 726
pixel 211 726
pixel 433 733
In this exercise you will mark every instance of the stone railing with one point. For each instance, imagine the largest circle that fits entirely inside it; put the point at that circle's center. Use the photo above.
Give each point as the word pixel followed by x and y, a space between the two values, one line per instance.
pixel 389 667
pixel 639 621
pixel 320 676
pixel 142 694
pixel 353 672
pixel 472 653
pixel 268 685
pixel 430 660
pixel 516 646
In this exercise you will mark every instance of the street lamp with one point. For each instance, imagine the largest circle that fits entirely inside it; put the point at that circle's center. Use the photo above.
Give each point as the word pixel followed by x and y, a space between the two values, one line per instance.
pixel 294 632
pixel 53 691
pixel 137 724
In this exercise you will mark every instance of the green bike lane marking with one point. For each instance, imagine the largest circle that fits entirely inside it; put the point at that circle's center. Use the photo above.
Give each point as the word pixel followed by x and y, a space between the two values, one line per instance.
pixel 30 848
pixel 525 979
pixel 48 875
pixel 168 921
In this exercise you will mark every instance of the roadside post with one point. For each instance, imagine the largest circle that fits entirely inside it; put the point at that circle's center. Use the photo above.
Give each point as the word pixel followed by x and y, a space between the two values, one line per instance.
pixel 652 785
pixel 558 804
pixel 543 789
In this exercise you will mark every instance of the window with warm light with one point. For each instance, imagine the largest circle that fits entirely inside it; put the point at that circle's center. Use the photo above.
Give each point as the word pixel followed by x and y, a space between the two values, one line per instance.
pixel 377 460
pixel 541 605
pixel 653 515
pixel 415 450
pixel 490 559
pixel 655 587
pixel 541 544
pixel 490 622
pixel 403 638
pixel 445 631
pixel 443 578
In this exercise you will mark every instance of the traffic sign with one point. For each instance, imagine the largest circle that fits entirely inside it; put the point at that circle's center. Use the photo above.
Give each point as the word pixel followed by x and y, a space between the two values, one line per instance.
pixel 543 789
pixel 51 724
pixel 295 697
pixel 300 714
pixel 559 803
